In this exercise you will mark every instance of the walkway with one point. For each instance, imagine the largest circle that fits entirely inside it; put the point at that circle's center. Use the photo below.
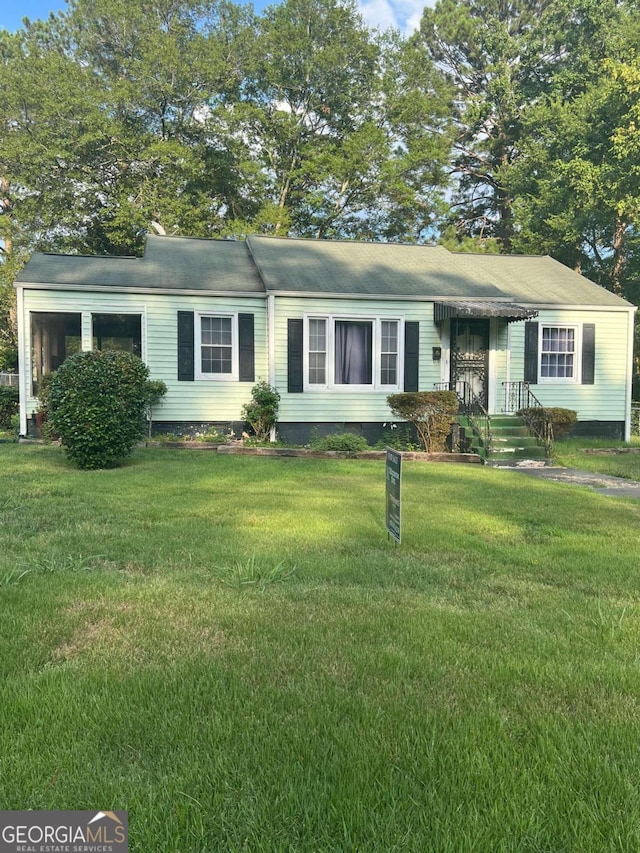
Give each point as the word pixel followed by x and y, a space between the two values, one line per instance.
pixel 616 487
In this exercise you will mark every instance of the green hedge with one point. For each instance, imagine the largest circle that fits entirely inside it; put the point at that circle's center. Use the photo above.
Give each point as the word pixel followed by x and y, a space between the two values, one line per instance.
pixel 346 442
pixel 9 404
pixel 431 412
pixel 561 420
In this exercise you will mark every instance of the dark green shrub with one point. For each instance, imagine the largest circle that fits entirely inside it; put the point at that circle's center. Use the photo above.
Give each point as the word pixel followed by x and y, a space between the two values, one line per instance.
pixel 97 406
pixel 9 402
pixel 262 412
pixel 398 437
pixel 561 420
pixel 346 442
pixel 154 391
pixel 43 407
pixel 431 413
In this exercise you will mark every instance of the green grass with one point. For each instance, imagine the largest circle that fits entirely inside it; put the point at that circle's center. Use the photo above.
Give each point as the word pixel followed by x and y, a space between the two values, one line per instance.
pixel 578 453
pixel 230 649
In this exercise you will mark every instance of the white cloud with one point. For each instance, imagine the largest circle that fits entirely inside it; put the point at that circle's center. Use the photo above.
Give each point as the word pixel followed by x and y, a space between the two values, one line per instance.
pixel 403 15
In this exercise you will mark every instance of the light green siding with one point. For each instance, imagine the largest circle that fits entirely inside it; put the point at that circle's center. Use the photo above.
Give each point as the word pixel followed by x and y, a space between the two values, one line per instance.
pixel 346 404
pixel 500 363
pixel 221 400
pixel 606 399
pixel 200 400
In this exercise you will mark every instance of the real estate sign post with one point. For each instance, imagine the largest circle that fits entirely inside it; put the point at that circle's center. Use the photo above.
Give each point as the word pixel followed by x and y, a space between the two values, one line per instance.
pixel 393 481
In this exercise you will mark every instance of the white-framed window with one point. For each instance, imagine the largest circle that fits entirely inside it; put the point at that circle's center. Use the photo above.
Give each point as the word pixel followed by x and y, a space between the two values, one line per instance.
pixel 117 331
pixel 317 373
pixel 389 352
pixel 558 352
pixel 216 346
pixel 353 352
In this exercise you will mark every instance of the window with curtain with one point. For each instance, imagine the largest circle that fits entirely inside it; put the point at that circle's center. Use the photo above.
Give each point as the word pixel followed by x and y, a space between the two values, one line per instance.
pixel 353 359
pixel 359 352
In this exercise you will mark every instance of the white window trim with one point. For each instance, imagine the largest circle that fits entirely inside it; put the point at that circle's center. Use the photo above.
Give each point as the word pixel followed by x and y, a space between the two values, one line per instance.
pixel 86 331
pixel 376 320
pixel 112 308
pixel 577 355
pixel 142 312
pixel 235 357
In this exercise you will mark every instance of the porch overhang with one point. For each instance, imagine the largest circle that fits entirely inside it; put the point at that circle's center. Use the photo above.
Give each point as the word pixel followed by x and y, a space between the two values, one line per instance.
pixel 459 308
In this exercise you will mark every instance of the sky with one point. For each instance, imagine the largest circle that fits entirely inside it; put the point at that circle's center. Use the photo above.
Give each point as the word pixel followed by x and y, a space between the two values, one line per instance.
pixel 403 14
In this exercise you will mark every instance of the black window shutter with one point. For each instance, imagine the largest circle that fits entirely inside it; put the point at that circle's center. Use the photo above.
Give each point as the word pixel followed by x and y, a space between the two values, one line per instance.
pixel 247 370
pixel 186 352
pixel 588 354
pixel 411 351
pixel 531 352
pixel 294 356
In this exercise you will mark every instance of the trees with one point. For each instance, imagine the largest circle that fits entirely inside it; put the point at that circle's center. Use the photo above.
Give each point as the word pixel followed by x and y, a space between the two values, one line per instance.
pixel 330 125
pixel 545 150
pixel 197 117
pixel 486 49
pixel 307 110
pixel 577 182
pixel 506 127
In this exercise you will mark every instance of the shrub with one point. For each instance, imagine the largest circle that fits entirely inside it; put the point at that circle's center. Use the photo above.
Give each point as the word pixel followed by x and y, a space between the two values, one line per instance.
pixel 561 421
pixel 262 412
pixel 398 437
pixel 431 413
pixel 346 442
pixel 97 406
pixel 9 401
pixel 154 391
pixel 43 407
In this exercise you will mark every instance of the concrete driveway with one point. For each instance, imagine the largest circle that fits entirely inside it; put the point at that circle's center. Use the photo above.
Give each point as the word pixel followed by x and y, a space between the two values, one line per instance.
pixel 616 487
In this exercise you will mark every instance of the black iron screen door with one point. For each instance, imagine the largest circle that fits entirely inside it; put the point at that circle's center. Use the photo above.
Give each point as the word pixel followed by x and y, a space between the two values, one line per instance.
pixel 470 359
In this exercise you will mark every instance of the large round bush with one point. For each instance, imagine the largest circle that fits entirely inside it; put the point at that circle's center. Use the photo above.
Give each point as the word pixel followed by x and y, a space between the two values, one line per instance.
pixel 97 406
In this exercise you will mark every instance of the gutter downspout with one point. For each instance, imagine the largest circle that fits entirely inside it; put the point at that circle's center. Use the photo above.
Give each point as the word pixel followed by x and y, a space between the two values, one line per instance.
pixel 271 348
pixel 22 360
pixel 629 391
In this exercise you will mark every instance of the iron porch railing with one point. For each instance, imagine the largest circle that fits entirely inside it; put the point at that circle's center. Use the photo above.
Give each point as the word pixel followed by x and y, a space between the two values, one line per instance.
pixel 471 406
pixel 518 396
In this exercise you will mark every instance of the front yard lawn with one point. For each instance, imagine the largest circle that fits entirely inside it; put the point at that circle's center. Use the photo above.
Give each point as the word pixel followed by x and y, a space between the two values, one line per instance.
pixel 230 649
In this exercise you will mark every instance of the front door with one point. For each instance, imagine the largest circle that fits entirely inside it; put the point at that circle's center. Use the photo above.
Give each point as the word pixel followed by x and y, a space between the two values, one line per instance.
pixel 470 359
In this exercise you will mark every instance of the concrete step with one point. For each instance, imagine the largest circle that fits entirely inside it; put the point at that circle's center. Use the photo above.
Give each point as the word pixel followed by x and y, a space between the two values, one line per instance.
pixel 509 430
pixel 511 440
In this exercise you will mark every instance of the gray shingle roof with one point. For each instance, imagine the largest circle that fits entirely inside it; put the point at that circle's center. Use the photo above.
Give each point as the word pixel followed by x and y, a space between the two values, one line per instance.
pixel 169 263
pixel 79 269
pixel 308 267
pixel 391 269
